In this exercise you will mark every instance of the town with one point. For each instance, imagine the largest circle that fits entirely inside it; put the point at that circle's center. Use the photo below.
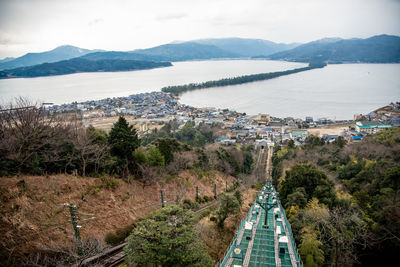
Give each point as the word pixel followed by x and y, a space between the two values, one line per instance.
pixel 150 111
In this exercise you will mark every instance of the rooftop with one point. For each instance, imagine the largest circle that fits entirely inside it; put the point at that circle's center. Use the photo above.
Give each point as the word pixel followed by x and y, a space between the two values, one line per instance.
pixel 264 237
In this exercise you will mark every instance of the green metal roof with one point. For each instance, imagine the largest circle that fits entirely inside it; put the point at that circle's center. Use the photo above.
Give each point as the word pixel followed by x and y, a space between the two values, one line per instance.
pixel 258 243
pixel 370 123
pixel 374 126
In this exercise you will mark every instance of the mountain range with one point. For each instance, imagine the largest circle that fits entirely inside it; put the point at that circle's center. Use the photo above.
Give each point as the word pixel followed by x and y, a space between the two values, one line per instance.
pixel 76 65
pixel 60 53
pixel 248 47
pixel 376 49
pixel 182 51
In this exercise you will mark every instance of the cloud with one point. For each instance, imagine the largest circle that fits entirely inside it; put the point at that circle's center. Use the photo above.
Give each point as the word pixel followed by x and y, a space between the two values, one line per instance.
pixel 171 16
pixel 96 21
pixel 4 41
pixel 39 25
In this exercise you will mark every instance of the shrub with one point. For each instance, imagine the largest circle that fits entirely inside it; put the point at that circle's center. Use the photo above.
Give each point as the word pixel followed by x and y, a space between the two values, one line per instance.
pixel 117 237
pixel 188 204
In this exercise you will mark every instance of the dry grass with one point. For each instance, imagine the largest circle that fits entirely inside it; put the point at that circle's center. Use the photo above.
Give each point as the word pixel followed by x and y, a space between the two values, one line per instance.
pixel 331 130
pixel 33 214
pixel 216 239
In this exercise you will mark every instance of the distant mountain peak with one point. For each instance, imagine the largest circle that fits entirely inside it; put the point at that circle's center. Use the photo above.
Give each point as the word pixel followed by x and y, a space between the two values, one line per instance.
pixel 63 52
pixel 376 49
pixel 328 40
pixel 246 47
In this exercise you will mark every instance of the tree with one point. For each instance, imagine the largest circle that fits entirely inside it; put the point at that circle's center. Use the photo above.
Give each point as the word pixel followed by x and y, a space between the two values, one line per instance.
pixel 392 180
pixel 239 197
pixel 154 157
pixel 314 182
pixel 229 205
pixel 91 147
pixel 167 146
pixel 247 161
pixel 167 238
pixel 123 140
pixel 199 140
pixel 291 144
pixel 340 142
pixel 32 140
pixel 312 141
pixel 309 249
pixel 297 198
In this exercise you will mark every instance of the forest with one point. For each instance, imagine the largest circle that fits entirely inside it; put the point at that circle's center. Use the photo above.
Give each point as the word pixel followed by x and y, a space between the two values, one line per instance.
pixel 179 89
pixel 342 200
pixel 35 142
pixel 76 65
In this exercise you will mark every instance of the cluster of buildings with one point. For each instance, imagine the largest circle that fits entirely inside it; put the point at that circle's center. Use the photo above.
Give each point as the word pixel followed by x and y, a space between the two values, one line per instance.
pixel 264 129
pixel 261 130
pixel 387 115
pixel 145 105
pixel 377 120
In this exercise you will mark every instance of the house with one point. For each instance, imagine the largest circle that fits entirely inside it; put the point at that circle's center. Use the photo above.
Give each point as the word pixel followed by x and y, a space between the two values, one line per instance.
pixel 395 122
pixel 356 136
pixel 329 137
pixel 228 125
pixel 225 140
pixel 263 119
pixel 299 134
pixel 261 143
pixel 323 120
pixel 370 127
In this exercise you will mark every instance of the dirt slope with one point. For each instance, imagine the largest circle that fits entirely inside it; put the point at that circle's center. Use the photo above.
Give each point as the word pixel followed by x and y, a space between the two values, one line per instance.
pixel 33 214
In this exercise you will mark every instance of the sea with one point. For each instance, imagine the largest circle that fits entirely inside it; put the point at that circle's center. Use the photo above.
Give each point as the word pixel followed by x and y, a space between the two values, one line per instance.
pixel 335 92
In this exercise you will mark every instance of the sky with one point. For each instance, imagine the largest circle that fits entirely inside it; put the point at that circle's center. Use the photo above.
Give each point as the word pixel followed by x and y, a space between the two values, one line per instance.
pixel 40 25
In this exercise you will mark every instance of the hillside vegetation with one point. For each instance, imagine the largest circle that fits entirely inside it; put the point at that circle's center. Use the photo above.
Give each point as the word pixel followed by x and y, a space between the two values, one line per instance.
pixel 342 200
pixel 186 51
pixel 109 175
pixel 247 47
pixel 76 65
pixel 64 52
pixel 179 89
pixel 376 49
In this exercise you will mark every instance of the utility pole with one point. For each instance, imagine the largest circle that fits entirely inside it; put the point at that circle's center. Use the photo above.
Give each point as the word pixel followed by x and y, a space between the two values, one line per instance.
pixel 267 207
pixel 162 198
pixel 74 221
pixel 215 191
pixel 197 194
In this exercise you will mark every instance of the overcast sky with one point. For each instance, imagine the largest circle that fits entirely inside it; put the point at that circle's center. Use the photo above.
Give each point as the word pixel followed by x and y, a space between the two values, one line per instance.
pixel 39 25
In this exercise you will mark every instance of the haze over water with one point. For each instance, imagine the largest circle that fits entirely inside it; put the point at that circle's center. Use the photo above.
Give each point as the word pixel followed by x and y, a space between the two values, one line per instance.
pixel 92 86
pixel 336 91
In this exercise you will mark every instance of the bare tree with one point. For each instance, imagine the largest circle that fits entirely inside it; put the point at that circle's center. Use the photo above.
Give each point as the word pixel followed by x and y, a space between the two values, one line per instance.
pixel 89 152
pixel 31 135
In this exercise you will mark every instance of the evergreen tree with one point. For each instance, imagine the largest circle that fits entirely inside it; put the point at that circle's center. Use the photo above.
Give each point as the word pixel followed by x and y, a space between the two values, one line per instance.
pixel 167 238
pixel 123 140
pixel 229 205
pixel 310 248
pixel 154 157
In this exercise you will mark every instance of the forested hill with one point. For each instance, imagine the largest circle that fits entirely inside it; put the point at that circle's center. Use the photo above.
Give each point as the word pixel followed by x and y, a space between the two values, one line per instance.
pixel 186 51
pixel 179 89
pixel 64 52
pixel 377 49
pixel 76 65
pixel 342 200
pixel 247 47
pixel 122 56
